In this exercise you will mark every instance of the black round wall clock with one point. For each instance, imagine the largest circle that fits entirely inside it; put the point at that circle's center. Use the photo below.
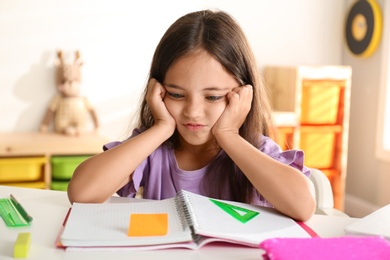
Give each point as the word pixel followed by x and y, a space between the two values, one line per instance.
pixel 364 27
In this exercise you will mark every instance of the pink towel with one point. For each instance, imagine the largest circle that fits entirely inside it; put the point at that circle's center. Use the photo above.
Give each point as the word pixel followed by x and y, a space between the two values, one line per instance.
pixel 347 247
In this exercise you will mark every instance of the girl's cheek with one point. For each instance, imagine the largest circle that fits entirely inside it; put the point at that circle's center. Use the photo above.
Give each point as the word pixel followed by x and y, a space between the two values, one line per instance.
pixel 171 107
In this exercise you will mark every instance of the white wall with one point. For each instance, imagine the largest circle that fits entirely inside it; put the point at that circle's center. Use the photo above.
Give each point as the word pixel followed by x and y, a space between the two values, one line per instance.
pixel 117 40
pixel 368 177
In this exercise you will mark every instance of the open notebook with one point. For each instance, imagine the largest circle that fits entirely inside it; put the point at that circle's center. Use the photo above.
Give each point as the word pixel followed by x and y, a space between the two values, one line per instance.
pixel 188 220
pixel 375 224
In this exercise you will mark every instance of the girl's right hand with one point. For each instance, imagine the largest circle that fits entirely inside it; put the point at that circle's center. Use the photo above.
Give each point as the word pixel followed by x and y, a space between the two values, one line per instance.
pixel 155 99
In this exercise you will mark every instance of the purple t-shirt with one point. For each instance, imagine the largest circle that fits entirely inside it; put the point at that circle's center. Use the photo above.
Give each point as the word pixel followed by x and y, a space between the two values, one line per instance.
pixel 161 177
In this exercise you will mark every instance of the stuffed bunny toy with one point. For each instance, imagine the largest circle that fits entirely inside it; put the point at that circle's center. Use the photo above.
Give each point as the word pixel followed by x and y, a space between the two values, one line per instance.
pixel 68 109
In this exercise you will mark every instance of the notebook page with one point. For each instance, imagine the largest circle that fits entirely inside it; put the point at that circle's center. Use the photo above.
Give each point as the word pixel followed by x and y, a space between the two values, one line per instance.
pixel 212 220
pixel 107 224
pixel 377 223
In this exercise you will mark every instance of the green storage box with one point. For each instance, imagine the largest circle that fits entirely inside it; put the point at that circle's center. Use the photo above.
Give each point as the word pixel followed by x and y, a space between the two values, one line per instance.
pixel 62 167
pixel 59 185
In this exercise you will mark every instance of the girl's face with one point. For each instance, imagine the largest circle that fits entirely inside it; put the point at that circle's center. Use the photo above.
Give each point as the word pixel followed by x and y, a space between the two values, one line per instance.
pixel 196 86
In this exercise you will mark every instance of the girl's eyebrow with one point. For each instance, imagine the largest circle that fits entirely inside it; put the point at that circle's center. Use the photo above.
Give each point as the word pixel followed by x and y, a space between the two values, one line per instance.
pixel 217 88
pixel 172 86
pixel 205 89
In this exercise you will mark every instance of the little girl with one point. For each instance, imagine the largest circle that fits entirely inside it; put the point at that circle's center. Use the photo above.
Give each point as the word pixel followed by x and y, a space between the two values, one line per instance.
pixel 203 127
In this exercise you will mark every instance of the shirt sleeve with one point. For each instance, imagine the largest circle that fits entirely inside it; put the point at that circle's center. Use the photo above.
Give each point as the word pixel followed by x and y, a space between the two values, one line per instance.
pixel 294 158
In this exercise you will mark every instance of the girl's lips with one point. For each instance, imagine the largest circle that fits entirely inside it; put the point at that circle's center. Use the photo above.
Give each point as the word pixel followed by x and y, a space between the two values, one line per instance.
pixel 193 127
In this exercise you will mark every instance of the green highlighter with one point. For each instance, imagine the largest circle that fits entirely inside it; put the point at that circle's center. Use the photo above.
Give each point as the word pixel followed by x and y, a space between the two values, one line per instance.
pixel 13 213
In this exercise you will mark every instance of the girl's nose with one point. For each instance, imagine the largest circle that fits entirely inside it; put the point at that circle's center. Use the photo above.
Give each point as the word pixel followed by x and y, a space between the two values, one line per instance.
pixel 193 108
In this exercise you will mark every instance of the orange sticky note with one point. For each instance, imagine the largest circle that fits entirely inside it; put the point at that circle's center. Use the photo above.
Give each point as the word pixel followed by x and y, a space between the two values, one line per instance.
pixel 148 225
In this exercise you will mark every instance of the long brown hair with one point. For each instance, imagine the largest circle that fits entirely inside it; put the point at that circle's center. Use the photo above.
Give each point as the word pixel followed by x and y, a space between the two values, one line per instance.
pixel 222 37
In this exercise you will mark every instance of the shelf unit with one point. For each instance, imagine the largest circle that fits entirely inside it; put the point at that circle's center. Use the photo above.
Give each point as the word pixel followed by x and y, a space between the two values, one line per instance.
pixel 25 158
pixel 319 98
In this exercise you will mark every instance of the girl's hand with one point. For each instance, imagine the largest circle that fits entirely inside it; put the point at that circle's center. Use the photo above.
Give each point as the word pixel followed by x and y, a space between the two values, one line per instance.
pixel 239 105
pixel 155 99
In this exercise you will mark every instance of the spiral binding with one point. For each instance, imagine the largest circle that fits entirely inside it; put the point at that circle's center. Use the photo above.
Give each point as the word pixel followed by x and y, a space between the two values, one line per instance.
pixel 185 212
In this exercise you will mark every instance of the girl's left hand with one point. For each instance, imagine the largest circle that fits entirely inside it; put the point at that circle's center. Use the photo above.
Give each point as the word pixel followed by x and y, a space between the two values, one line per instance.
pixel 239 105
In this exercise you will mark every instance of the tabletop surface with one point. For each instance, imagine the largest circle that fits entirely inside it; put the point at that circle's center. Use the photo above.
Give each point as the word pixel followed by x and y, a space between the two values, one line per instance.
pixel 49 209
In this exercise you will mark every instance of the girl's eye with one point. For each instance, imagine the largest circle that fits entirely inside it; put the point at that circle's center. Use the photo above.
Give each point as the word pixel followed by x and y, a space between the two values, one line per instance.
pixel 175 95
pixel 214 98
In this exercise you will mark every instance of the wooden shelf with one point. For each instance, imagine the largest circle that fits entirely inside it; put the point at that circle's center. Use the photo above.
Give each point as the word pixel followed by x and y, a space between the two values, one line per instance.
pixel 19 145
pixel 319 97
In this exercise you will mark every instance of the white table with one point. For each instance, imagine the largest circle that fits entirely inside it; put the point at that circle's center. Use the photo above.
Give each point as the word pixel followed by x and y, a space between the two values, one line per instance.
pixel 48 208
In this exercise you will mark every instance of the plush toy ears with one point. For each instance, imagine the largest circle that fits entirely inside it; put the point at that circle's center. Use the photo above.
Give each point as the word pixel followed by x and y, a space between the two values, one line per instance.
pixel 77 58
pixel 60 57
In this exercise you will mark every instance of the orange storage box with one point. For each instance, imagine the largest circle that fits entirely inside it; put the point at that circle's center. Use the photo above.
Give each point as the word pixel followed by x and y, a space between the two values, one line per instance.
pixel 21 169
pixel 319 144
pixel 321 101
pixel 331 174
